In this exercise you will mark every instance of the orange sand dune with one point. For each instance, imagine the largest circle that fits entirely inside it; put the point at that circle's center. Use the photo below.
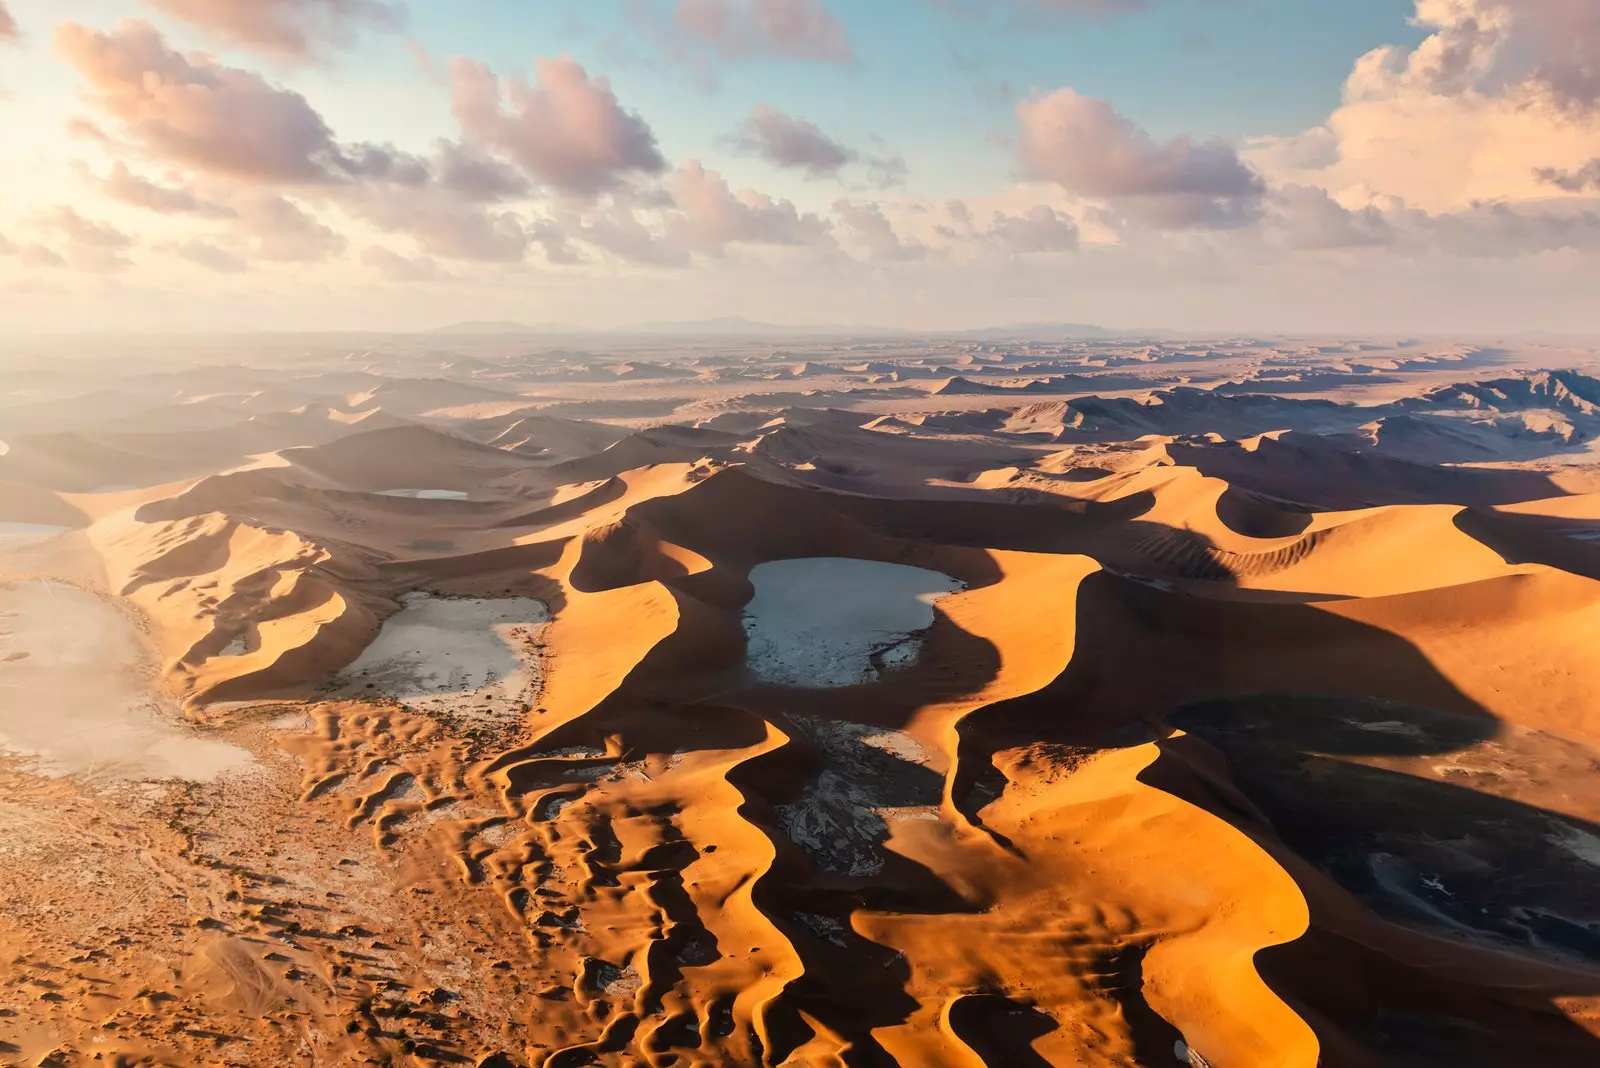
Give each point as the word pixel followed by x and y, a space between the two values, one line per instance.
pixel 889 736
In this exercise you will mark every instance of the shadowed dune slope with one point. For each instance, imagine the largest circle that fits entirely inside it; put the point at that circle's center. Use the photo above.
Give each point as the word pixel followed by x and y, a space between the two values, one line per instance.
pixel 1093 745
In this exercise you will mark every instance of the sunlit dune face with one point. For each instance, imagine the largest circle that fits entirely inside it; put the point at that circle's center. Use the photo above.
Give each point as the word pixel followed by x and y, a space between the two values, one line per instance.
pixel 973 701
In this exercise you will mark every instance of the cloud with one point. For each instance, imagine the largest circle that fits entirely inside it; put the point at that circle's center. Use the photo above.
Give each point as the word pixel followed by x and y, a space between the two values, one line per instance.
pixel 567 131
pixel 556 242
pixel 1089 149
pixel 476 177
pixel 284 232
pixel 1462 118
pixel 873 232
pixel 80 231
pixel 1038 229
pixel 91 246
pixel 195 111
pixel 794 143
pixel 1308 218
pixel 711 216
pixel 742 29
pixel 1582 179
pixel 788 141
pixel 8 25
pixel 211 257
pixel 618 230
pixel 294 28
pixel 398 268
pixel 1502 231
pixel 128 188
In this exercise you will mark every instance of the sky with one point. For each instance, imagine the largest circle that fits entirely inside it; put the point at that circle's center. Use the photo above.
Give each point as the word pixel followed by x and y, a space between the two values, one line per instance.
pixel 1241 166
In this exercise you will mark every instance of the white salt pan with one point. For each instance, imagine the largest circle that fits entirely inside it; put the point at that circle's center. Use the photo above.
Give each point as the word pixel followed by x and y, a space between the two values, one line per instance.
pixel 440 652
pixel 827 621
pixel 75 698
pixel 426 494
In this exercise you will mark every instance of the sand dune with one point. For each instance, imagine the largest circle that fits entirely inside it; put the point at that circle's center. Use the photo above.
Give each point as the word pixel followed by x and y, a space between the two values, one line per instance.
pixel 429 723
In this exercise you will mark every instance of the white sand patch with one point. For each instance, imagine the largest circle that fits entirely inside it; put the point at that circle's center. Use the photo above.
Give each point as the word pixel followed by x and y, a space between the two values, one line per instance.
pixel 75 698
pixel 828 621
pixel 463 655
pixel 1581 844
pixel 426 494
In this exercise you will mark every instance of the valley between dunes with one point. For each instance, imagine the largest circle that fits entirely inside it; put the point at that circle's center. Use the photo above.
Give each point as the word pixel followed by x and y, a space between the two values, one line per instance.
pixel 416 726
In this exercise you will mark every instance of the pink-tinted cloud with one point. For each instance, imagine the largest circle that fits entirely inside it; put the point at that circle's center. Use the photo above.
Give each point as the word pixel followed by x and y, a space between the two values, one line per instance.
pixel 128 188
pixel 1091 150
pixel 444 226
pixel 618 230
pixel 712 216
pixel 282 231
pixel 1582 179
pixel 1565 38
pixel 1038 229
pixel 1306 217
pixel 8 25
pixel 740 29
pixel 790 141
pixel 284 27
pixel 89 246
pixel 566 130
pixel 195 111
pixel 872 230
pixel 80 231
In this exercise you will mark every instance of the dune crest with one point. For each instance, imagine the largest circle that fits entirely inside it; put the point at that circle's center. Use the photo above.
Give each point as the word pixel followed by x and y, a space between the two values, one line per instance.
pixel 953 723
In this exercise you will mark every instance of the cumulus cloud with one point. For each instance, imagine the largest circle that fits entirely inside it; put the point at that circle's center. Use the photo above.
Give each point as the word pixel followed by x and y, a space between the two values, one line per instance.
pixel 1089 149
pixel 90 246
pixel 789 141
pixel 1038 229
pixel 740 29
pixel 1496 88
pixel 567 130
pixel 128 188
pixel 871 230
pixel 795 143
pixel 476 177
pixel 618 230
pixel 195 111
pixel 1548 45
pixel 284 27
pixel 1582 179
pixel 712 216
pixel 1306 217
pixel 556 243
pixel 282 231
pixel 1501 230
pixel 80 231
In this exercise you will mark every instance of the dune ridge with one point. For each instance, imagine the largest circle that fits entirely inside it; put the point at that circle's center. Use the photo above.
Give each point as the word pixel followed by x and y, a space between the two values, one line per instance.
pixel 1237 734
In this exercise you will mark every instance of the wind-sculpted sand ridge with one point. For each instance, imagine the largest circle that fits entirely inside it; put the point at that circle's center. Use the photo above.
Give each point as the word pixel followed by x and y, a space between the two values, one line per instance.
pixel 811 738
